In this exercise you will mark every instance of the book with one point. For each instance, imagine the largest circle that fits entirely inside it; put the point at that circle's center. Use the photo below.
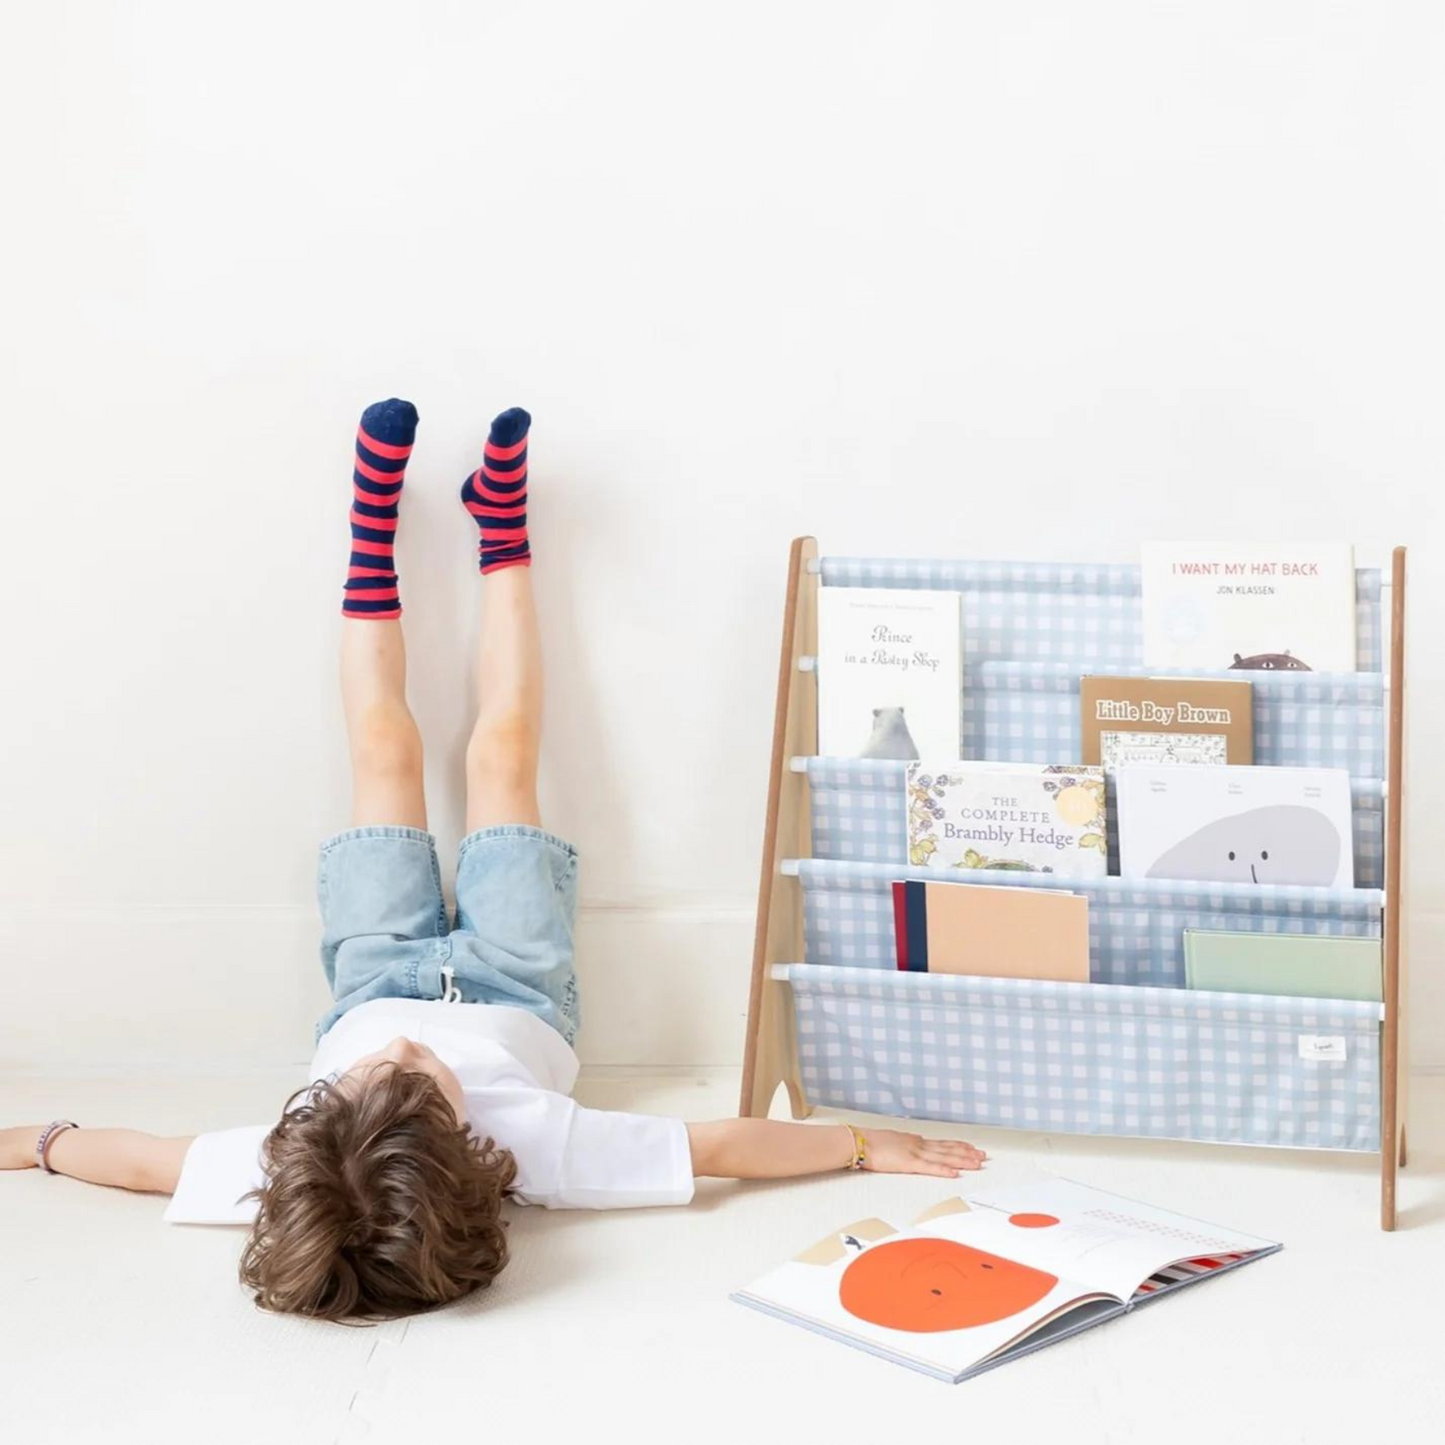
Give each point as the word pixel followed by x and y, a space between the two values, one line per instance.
pixel 971 928
pixel 1006 817
pixel 1165 720
pixel 1236 825
pixel 989 1277
pixel 1280 606
pixel 1301 965
pixel 890 673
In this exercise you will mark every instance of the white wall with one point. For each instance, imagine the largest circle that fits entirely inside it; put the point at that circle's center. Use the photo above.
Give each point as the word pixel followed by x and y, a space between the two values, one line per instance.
pixel 1033 280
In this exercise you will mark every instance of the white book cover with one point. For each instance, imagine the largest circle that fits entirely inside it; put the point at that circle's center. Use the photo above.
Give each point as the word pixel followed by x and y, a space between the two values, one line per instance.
pixel 890 673
pixel 1285 606
pixel 1236 824
pixel 1007 817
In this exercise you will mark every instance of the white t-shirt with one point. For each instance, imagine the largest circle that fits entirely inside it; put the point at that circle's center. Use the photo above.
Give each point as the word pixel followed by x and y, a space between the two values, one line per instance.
pixel 516 1073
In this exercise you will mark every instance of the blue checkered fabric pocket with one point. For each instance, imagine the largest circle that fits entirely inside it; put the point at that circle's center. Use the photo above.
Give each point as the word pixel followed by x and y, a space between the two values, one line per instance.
pixel 1133 1052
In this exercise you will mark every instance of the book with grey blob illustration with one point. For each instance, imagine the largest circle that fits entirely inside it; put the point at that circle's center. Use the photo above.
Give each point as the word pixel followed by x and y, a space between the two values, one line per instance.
pixel 1249 607
pixel 1259 825
pixel 890 675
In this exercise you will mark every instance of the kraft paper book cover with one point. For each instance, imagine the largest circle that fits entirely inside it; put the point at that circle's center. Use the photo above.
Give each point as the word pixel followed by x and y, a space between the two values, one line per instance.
pixel 890 673
pixel 1006 817
pixel 988 1277
pixel 991 932
pixel 1165 720
pixel 1273 607
pixel 1236 825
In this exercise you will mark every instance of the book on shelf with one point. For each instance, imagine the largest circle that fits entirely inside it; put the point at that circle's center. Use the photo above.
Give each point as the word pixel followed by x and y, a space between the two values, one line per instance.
pixel 1300 965
pixel 890 673
pixel 996 1274
pixel 1236 825
pixel 1006 817
pixel 1274 607
pixel 991 932
pixel 1164 720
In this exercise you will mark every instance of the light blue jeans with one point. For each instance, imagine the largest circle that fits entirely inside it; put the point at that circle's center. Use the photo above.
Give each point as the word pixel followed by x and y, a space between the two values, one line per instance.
pixel 385 932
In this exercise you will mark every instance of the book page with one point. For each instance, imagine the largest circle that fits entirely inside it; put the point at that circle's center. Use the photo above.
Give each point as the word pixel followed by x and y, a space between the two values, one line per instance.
pixel 923 1297
pixel 1105 1241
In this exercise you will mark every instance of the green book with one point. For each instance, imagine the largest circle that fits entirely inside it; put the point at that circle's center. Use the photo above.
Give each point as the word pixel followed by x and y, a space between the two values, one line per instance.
pixel 1297 964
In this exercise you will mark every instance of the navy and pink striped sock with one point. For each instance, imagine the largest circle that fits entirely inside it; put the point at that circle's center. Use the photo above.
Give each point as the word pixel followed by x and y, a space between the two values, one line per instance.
pixel 383 444
pixel 496 494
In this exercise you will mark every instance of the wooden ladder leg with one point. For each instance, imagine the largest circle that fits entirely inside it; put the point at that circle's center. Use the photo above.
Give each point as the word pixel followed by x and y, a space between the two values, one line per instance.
pixel 771 1053
pixel 1392 1121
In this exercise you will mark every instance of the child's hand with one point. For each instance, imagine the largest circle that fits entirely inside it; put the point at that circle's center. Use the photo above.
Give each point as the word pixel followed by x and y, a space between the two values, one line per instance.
pixel 889 1152
pixel 17 1146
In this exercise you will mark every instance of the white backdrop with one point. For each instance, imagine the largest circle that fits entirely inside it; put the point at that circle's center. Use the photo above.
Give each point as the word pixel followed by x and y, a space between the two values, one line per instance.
pixel 1034 280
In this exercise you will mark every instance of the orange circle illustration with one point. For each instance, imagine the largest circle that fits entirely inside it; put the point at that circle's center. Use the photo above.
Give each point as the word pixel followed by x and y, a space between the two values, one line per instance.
pixel 926 1285
pixel 1032 1221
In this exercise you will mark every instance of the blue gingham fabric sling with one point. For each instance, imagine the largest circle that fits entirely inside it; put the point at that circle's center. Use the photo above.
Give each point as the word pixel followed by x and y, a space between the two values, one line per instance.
pixel 1142 1057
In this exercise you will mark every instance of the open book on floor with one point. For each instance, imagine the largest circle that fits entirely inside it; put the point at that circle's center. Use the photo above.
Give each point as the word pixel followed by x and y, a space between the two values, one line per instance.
pixel 985 1279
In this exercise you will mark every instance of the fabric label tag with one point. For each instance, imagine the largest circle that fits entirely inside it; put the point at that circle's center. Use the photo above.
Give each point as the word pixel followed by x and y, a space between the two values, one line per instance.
pixel 1322 1046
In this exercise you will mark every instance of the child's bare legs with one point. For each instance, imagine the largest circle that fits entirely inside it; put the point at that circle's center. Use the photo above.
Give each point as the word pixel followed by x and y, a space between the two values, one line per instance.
pixel 386 752
pixel 385 743
pixel 502 752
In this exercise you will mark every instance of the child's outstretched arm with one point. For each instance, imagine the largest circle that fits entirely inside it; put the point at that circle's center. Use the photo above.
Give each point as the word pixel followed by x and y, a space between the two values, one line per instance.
pixel 771 1149
pixel 122 1158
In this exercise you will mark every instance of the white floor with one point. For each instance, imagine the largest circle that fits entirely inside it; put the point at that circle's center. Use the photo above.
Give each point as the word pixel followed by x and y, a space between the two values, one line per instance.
pixel 117 1328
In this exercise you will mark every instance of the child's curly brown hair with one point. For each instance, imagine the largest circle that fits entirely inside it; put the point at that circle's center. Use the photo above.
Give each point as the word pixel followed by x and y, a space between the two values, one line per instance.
pixel 377 1203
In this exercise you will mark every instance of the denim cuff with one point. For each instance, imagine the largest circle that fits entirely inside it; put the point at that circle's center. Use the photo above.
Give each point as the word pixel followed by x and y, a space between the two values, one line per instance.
pixel 380 830
pixel 514 830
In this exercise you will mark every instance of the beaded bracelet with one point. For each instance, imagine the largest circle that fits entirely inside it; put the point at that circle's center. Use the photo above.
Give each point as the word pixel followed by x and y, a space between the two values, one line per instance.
pixel 51 1131
pixel 860 1148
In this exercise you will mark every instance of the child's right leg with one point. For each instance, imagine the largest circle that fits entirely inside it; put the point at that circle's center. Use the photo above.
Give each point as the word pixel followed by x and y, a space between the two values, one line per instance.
pixel 506 738
pixel 516 885
pixel 503 749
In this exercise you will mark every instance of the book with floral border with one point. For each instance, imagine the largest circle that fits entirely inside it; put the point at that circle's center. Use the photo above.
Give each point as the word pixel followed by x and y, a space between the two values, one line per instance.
pixel 1007 817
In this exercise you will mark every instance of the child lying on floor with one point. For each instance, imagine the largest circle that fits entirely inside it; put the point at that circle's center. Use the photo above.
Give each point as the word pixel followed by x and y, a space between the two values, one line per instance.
pixel 442 1078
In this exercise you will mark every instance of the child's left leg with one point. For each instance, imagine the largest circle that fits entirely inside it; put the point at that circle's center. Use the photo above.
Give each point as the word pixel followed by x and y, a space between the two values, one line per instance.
pixel 386 753
pixel 384 922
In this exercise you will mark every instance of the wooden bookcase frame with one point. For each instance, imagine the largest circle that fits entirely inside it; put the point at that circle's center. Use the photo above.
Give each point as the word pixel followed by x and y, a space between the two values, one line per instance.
pixel 771 1052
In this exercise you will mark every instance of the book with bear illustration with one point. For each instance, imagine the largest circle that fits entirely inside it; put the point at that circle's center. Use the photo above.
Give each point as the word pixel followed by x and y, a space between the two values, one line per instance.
pixel 890 673
pixel 1249 607
pixel 981 1280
